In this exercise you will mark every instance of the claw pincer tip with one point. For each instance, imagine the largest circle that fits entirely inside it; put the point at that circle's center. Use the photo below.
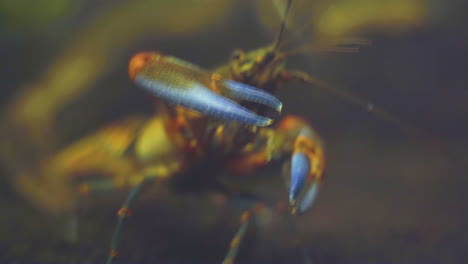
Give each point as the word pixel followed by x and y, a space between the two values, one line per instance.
pixel 306 171
pixel 249 93
pixel 300 168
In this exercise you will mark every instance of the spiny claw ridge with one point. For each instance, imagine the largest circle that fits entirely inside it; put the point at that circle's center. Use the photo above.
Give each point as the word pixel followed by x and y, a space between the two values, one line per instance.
pixel 252 94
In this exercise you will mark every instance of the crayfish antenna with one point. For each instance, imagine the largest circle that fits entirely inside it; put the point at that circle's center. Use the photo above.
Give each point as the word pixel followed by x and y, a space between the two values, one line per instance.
pixel 277 42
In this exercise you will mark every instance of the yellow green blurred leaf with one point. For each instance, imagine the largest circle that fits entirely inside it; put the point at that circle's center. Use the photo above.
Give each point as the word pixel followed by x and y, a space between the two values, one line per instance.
pixel 349 17
pixel 328 21
pixel 33 13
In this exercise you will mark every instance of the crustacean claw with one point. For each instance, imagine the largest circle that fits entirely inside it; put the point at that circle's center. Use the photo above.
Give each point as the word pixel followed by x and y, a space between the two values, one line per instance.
pixel 198 90
pixel 205 101
pixel 252 94
pixel 306 171
pixel 300 168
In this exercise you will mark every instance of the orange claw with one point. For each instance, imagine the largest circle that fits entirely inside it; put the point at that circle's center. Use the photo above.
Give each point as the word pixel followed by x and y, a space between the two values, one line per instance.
pixel 139 60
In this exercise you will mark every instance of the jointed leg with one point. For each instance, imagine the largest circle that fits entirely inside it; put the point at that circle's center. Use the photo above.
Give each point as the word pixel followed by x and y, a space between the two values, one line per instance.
pixel 103 185
pixel 295 139
pixel 235 242
pixel 123 212
pixel 84 189
pixel 257 205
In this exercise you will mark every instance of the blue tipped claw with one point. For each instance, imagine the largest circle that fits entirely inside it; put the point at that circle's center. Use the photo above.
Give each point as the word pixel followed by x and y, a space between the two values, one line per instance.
pixel 197 96
pixel 252 94
pixel 302 192
pixel 307 165
pixel 308 199
pixel 300 168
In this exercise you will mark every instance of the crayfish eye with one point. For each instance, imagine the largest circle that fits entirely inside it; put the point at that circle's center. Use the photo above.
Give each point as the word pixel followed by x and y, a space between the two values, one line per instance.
pixel 269 56
pixel 139 60
pixel 237 54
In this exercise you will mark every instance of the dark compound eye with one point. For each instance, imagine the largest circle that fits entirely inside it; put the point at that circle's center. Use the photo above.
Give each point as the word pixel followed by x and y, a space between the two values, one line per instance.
pixel 269 56
pixel 237 54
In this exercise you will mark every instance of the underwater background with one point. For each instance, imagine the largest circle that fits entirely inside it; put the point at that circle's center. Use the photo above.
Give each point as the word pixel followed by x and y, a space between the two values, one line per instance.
pixel 392 193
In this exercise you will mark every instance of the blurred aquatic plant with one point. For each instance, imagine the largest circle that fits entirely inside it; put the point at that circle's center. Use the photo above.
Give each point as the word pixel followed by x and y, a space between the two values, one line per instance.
pixel 350 17
pixel 32 14
pixel 330 21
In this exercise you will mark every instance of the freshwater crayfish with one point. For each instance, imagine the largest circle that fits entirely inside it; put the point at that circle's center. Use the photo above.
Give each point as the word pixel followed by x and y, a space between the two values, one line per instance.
pixel 221 115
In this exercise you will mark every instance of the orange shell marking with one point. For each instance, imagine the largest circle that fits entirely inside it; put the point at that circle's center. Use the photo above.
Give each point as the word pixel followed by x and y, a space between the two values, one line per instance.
pixel 139 60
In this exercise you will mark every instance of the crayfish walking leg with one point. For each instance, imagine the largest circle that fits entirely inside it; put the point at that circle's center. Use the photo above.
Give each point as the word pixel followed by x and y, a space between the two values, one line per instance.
pixel 297 141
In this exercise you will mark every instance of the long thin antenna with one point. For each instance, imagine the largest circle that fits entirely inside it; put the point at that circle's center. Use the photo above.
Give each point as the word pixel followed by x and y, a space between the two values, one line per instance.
pixel 337 47
pixel 406 127
pixel 296 33
pixel 311 49
pixel 282 26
